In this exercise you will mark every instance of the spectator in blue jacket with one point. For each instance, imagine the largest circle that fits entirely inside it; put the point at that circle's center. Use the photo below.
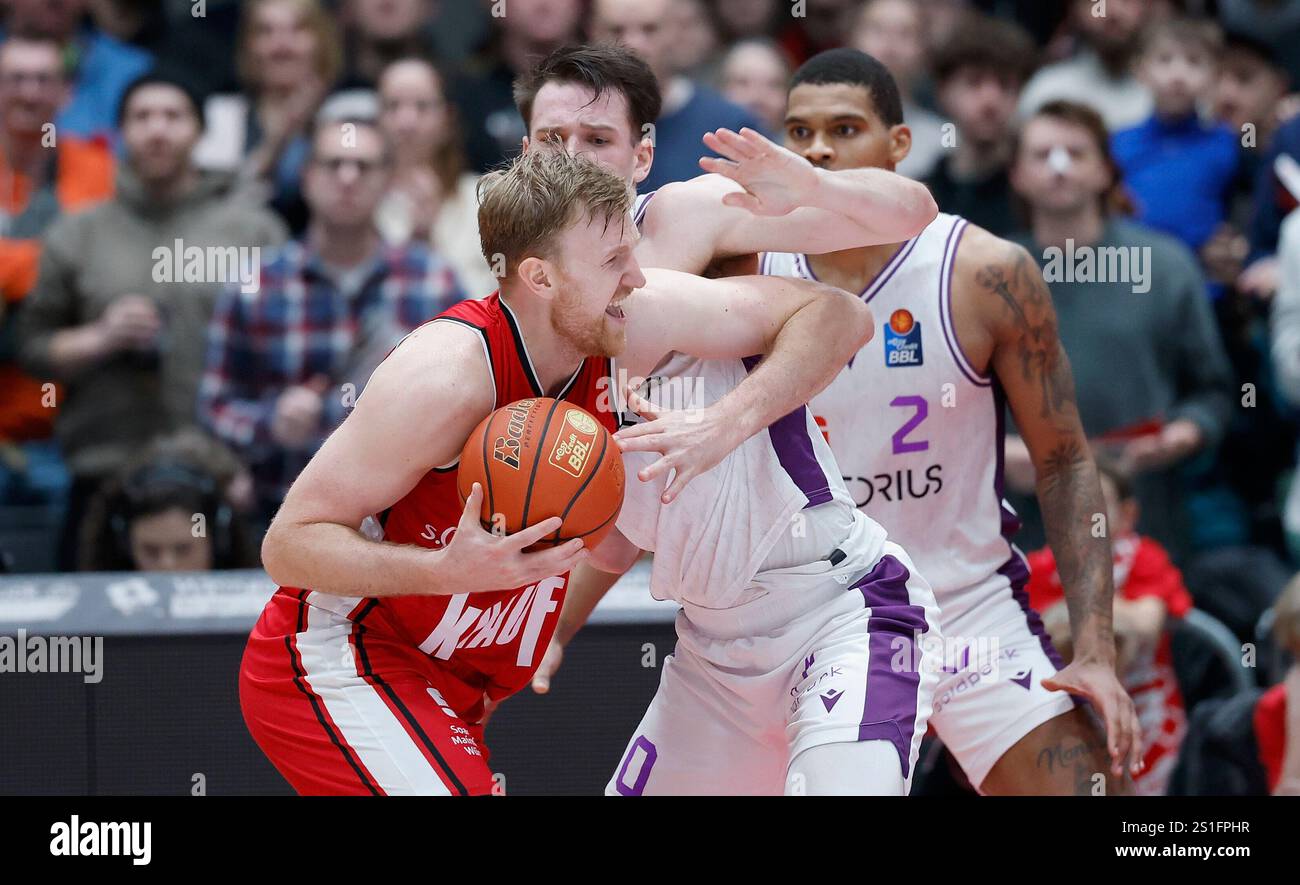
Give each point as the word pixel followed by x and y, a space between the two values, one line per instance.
pixel 100 67
pixel 1178 169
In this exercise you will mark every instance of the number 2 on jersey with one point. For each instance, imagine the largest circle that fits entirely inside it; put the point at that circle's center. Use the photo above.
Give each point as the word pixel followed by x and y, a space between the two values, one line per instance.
pixel 920 410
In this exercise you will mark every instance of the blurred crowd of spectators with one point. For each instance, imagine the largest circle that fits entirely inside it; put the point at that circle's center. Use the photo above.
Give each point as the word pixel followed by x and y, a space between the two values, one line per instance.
pixel 137 396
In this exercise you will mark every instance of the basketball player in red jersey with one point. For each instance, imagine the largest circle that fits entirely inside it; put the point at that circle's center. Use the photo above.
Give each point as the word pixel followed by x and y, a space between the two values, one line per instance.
pixel 369 669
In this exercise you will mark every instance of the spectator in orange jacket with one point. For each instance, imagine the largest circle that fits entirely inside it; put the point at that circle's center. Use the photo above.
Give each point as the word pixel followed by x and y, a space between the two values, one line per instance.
pixel 43 173
pixel 1148 591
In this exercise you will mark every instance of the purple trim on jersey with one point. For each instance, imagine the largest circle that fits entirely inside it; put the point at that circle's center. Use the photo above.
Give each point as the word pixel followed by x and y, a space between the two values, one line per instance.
pixel 639 214
pixel 878 281
pixel 651 754
pixel 885 273
pixel 889 712
pixel 794 450
pixel 945 307
pixel 1010 522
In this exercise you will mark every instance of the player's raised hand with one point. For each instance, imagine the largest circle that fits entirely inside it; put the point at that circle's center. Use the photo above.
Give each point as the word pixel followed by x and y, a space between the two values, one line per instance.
pixel 1096 681
pixel 776 180
pixel 689 441
pixel 481 560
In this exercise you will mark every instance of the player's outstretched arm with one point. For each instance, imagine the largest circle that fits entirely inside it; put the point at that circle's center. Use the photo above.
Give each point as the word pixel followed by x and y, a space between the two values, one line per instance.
pixel 1032 367
pixel 805 331
pixel 765 198
pixel 418 409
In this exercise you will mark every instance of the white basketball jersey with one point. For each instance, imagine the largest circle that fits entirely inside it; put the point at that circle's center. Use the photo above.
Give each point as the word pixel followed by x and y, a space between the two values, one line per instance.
pixel 775 501
pixel 916 430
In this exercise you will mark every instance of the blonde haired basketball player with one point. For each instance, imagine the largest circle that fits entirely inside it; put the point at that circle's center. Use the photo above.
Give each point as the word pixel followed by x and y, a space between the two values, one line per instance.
pixel 398 616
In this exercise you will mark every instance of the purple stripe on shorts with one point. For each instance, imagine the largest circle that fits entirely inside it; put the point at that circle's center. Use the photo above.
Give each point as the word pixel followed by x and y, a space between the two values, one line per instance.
pixel 1016 570
pixel 651 754
pixel 794 449
pixel 890 709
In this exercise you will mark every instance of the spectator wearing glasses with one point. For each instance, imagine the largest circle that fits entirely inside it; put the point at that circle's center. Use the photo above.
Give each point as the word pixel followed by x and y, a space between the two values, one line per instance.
pixel 286 362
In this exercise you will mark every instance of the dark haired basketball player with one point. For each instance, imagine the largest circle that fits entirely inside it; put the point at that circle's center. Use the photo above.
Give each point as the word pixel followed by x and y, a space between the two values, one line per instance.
pixel 916 423
pixel 602 101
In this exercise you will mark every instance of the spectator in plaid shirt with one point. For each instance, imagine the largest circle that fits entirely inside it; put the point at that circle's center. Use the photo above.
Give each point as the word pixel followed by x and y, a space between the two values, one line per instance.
pixel 286 362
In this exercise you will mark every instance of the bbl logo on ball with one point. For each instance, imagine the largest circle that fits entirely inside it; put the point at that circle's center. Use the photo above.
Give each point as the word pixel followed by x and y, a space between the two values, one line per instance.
pixel 574 442
pixel 902 340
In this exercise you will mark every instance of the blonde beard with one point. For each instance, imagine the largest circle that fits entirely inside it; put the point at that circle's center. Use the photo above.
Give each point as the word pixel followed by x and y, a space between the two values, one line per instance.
pixel 587 340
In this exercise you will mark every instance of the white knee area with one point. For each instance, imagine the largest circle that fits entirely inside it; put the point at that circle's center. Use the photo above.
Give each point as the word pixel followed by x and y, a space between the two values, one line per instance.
pixel 862 768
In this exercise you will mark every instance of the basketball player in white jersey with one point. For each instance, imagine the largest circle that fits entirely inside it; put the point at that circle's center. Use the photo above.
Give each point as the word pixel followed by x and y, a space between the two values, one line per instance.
pixel 602 101
pixel 915 420
pixel 798 666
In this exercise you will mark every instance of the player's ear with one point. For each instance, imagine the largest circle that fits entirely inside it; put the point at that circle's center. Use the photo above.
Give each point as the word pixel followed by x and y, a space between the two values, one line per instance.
pixel 523 145
pixel 535 274
pixel 643 156
pixel 900 143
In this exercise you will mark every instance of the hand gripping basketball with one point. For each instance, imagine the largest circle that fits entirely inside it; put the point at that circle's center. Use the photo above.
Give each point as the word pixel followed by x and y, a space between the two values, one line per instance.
pixel 488 561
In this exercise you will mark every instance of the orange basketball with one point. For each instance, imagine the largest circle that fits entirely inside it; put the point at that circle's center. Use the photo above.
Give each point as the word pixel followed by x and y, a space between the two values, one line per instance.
pixel 538 458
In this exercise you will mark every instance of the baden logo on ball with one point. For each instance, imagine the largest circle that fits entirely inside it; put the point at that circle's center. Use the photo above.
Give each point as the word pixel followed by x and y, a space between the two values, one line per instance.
pixel 542 457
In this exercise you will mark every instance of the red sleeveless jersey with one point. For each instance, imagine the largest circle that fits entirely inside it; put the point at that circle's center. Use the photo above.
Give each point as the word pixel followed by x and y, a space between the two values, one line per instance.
pixel 491 641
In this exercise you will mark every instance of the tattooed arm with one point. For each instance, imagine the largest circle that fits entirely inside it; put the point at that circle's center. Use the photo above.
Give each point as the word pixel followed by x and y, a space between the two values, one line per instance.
pixel 1031 365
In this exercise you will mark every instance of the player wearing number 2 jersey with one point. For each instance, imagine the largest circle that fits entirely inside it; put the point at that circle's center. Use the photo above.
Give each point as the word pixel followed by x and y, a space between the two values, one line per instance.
pixel 916 424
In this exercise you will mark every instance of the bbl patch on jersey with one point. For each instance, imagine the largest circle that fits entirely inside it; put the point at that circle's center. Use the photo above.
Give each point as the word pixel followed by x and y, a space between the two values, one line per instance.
pixel 903 340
